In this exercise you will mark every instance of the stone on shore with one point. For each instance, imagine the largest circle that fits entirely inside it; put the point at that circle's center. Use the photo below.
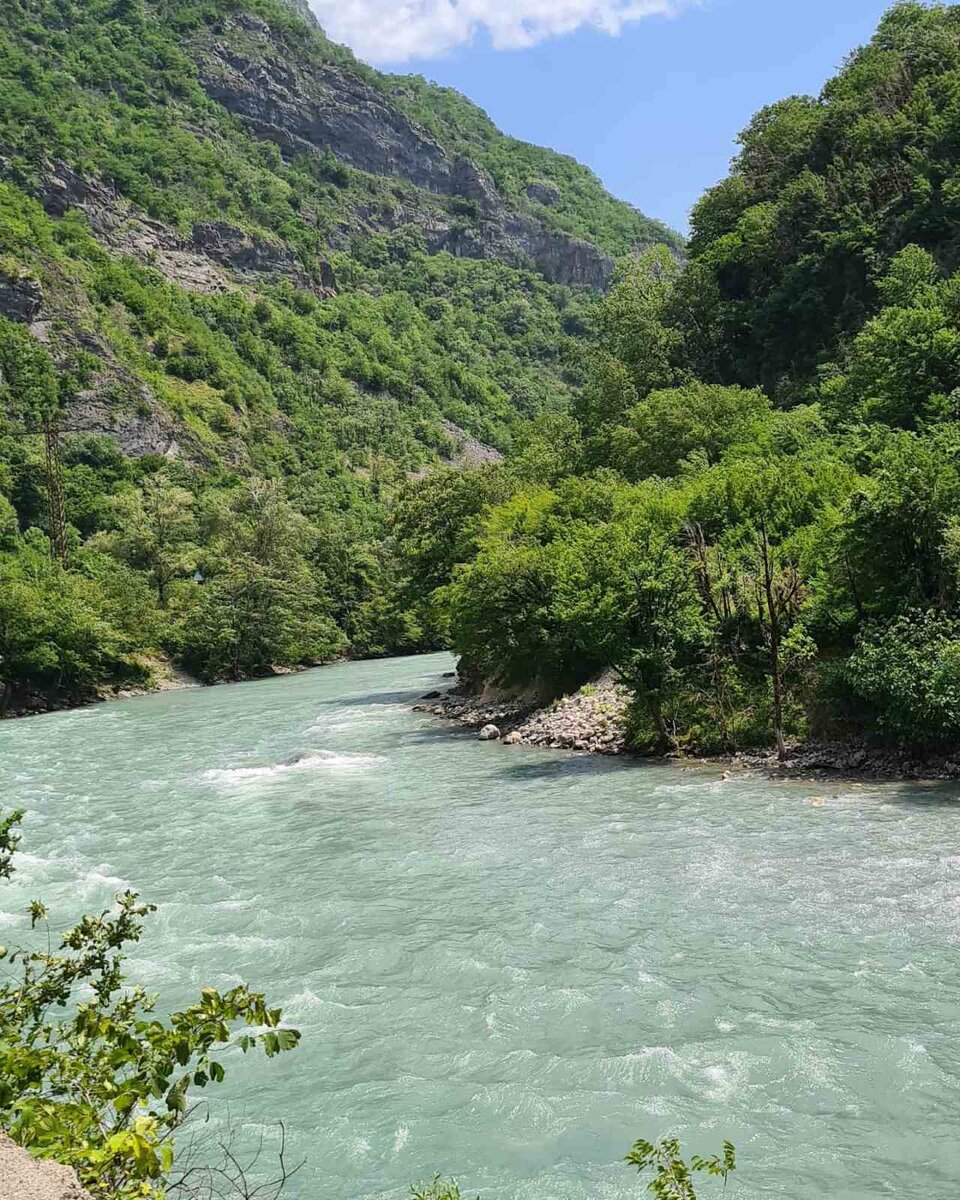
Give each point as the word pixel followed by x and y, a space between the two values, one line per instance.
pixel 489 733
pixel 26 1178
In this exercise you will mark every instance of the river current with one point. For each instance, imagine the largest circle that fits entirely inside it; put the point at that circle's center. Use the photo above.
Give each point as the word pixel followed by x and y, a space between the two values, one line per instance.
pixel 508 964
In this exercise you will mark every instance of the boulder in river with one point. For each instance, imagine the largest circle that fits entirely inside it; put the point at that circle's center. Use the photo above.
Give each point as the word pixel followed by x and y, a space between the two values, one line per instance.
pixel 489 733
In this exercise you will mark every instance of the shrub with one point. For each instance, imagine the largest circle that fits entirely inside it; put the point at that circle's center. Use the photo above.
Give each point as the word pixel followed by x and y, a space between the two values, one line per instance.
pixel 89 1075
pixel 907 672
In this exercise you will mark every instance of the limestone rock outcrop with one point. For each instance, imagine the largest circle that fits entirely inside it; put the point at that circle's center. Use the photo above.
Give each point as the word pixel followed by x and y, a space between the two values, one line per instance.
pixel 316 107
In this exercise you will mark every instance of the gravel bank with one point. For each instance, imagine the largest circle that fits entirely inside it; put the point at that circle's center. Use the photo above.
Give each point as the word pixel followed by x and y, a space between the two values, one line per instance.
pixel 593 721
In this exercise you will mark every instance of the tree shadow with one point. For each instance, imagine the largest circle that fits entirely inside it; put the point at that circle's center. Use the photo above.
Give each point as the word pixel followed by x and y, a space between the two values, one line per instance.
pixel 571 764
pixel 921 794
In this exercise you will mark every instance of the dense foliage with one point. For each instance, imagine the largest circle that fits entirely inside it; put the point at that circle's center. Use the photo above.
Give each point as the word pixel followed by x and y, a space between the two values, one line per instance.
pixel 247 528
pixel 757 520
pixel 89 1075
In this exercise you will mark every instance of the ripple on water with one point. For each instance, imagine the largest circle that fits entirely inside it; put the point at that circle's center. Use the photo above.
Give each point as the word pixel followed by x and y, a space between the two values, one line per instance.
pixel 509 966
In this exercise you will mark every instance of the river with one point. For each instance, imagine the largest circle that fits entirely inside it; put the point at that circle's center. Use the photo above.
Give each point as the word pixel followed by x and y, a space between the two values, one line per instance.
pixel 508 964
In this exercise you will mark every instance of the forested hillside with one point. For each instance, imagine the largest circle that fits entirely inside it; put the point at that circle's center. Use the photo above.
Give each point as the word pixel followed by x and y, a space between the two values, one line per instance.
pixel 250 290
pixel 755 514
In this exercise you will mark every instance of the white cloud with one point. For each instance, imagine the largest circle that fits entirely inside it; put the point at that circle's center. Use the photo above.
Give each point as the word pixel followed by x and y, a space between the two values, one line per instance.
pixel 386 31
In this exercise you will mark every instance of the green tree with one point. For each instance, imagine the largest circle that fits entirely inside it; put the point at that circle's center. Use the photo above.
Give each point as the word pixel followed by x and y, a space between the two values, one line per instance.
pixel 673 1176
pixel 260 605
pixel 635 347
pixel 55 633
pixel 155 530
pixel 905 676
pixel 434 526
pixel 627 599
pixel 29 391
pixel 666 428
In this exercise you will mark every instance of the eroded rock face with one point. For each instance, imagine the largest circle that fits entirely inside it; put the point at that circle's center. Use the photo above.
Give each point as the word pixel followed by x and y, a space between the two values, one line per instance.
pixel 214 259
pixel 305 108
pixel 139 430
pixel 468 451
pixel 316 107
pixel 305 11
pixel 125 230
pixel 26 1178
pixel 563 259
pixel 247 256
pixel 21 298
pixel 324 108
pixel 544 193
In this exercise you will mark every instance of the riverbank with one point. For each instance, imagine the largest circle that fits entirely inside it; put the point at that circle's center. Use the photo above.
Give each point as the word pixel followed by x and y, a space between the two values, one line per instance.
pixel 161 675
pixel 593 721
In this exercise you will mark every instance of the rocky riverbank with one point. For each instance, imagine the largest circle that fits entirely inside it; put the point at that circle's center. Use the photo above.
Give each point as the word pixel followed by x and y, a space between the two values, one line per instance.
pixel 593 721
pixel 820 760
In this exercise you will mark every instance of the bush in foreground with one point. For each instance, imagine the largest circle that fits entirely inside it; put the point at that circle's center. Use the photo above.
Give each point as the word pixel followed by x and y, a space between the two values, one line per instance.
pixel 89 1076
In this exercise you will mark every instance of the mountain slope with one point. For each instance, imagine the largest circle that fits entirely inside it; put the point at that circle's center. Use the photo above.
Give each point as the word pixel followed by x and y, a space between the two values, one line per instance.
pixel 162 122
pixel 257 263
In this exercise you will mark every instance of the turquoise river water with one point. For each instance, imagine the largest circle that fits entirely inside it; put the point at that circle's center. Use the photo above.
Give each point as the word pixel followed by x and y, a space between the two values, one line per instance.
pixel 509 964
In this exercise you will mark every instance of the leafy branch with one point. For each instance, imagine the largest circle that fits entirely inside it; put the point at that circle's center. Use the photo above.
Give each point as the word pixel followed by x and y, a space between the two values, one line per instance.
pixel 101 1083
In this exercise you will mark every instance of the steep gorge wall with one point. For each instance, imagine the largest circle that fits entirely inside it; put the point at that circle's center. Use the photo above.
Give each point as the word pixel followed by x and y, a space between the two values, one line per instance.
pixel 312 107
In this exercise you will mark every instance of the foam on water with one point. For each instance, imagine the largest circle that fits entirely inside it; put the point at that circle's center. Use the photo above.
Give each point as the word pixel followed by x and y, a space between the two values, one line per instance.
pixel 319 760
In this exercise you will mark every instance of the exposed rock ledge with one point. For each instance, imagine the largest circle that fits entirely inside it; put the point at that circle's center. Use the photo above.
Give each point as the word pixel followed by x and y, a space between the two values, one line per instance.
pixel 26 1178
pixel 310 107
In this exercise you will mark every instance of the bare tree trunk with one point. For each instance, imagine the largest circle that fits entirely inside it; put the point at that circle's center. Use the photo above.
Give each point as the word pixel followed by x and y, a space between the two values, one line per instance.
pixel 773 614
pixel 56 515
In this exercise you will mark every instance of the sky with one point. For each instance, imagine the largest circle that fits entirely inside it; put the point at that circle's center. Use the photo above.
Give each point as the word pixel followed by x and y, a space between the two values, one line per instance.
pixel 650 94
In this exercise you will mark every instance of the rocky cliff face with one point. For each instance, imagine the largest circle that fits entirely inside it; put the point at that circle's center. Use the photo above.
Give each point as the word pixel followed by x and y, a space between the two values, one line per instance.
pixel 311 108
pixel 256 156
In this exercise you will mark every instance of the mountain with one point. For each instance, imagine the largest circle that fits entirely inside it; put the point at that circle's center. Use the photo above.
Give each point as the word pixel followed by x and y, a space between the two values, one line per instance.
pixel 253 259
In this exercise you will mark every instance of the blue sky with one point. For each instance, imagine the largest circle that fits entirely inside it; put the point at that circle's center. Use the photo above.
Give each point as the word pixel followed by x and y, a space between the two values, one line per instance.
pixel 654 107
